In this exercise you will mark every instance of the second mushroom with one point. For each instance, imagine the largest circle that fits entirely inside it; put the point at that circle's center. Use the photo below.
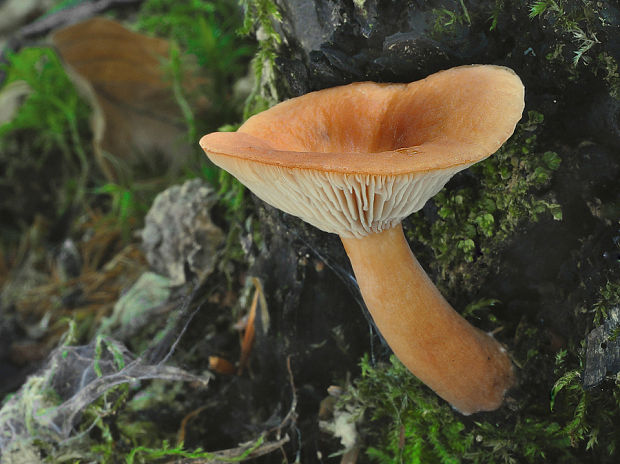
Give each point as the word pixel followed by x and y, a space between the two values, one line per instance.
pixel 357 159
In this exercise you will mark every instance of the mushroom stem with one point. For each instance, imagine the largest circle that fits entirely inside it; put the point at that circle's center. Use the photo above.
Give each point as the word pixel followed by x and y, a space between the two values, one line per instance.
pixel 462 364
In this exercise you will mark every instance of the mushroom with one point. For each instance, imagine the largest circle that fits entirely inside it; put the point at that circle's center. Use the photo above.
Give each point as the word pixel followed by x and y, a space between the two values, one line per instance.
pixel 355 160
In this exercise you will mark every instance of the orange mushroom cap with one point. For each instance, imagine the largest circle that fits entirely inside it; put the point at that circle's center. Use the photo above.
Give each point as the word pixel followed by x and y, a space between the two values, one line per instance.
pixel 357 159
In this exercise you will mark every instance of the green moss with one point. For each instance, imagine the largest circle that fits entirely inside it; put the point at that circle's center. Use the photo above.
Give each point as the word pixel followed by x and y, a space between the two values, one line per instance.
pixel 568 20
pixel 503 192
pixel 212 33
pixel 575 24
pixel 550 418
pixel 609 298
pixel 359 4
pixel 592 416
pixel 53 107
pixel 260 19
pixel 418 427
pixel 52 121
pixel 421 428
pixel 607 66
pixel 144 455
pixel 447 22
pixel 206 31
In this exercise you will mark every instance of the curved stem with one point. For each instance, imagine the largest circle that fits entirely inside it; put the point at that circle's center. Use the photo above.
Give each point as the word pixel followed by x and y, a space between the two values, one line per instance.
pixel 462 364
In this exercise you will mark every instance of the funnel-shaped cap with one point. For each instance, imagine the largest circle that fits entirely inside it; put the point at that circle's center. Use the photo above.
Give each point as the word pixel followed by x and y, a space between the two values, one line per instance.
pixel 357 159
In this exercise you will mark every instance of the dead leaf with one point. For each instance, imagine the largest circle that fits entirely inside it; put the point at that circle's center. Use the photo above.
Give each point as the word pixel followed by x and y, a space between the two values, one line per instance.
pixel 137 121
